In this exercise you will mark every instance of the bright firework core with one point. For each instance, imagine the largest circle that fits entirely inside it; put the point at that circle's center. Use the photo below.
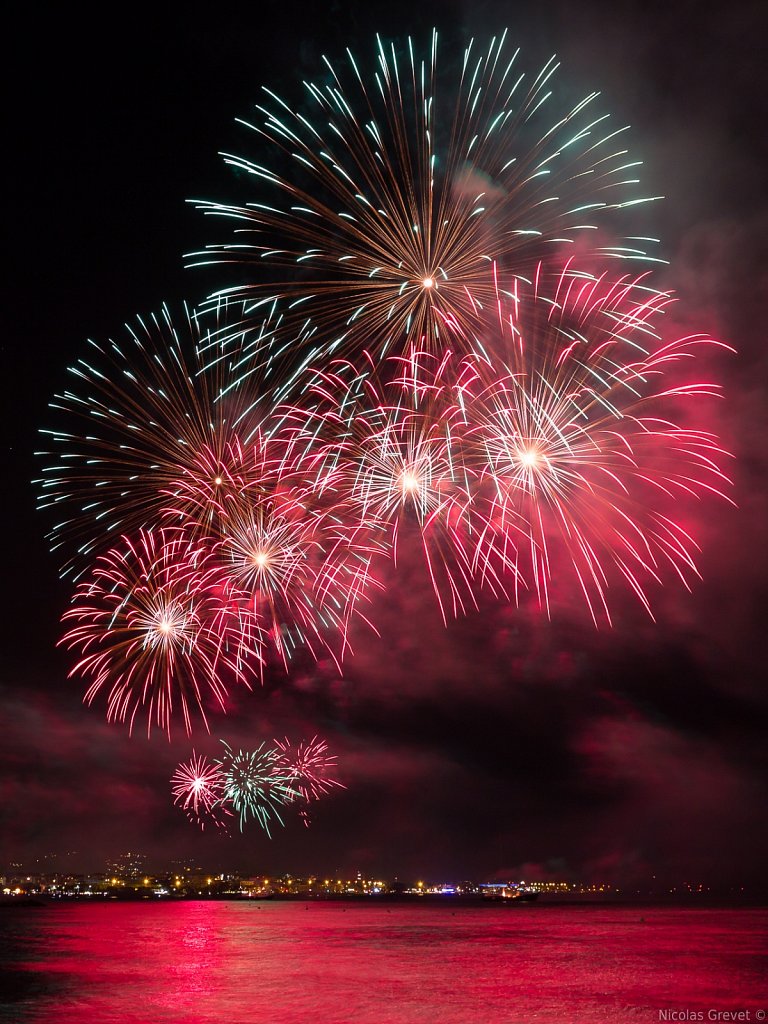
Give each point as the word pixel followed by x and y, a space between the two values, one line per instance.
pixel 428 282
pixel 409 482
pixel 260 558
pixel 167 625
pixel 529 457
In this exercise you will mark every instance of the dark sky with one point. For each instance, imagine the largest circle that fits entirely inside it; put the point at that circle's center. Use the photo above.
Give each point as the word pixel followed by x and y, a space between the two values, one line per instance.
pixel 507 743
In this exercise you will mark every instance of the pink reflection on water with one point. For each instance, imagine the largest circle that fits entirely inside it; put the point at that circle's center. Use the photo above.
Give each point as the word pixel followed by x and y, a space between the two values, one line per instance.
pixel 205 963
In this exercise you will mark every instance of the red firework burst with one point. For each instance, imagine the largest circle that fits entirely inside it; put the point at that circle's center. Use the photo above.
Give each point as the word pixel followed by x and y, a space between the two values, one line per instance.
pixel 310 766
pixel 154 632
pixel 198 788
pixel 388 438
pixel 577 436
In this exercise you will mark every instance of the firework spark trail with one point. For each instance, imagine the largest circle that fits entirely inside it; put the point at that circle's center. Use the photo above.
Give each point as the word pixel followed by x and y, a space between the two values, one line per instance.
pixel 198 788
pixel 154 634
pixel 405 192
pixel 256 784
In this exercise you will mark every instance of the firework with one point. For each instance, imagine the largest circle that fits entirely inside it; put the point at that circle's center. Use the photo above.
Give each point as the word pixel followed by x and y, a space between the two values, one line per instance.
pixel 310 766
pixel 392 458
pixel 295 573
pixel 576 440
pixel 154 634
pixel 256 784
pixel 148 433
pixel 416 366
pixel 198 788
pixel 291 561
pixel 394 197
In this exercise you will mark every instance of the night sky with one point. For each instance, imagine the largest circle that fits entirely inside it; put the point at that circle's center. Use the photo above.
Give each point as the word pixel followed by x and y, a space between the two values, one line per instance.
pixel 508 744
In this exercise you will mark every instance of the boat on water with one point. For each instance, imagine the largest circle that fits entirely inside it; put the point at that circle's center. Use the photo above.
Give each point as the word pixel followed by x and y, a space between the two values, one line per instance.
pixel 508 892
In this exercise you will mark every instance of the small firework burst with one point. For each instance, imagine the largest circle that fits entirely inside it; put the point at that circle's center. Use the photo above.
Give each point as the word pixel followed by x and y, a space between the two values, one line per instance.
pixel 256 784
pixel 198 788
pixel 310 766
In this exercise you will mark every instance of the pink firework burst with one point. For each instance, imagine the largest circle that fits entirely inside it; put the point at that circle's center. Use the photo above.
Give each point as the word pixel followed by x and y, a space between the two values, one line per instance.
pixel 310 766
pixel 389 439
pixel 299 568
pixel 578 437
pixel 154 633
pixel 298 572
pixel 198 788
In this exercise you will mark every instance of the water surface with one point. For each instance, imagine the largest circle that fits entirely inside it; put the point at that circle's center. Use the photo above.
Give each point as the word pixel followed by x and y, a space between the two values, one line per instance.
pixel 348 963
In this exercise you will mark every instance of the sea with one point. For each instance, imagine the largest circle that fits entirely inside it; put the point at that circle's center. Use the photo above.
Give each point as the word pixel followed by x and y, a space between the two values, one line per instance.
pixel 274 962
